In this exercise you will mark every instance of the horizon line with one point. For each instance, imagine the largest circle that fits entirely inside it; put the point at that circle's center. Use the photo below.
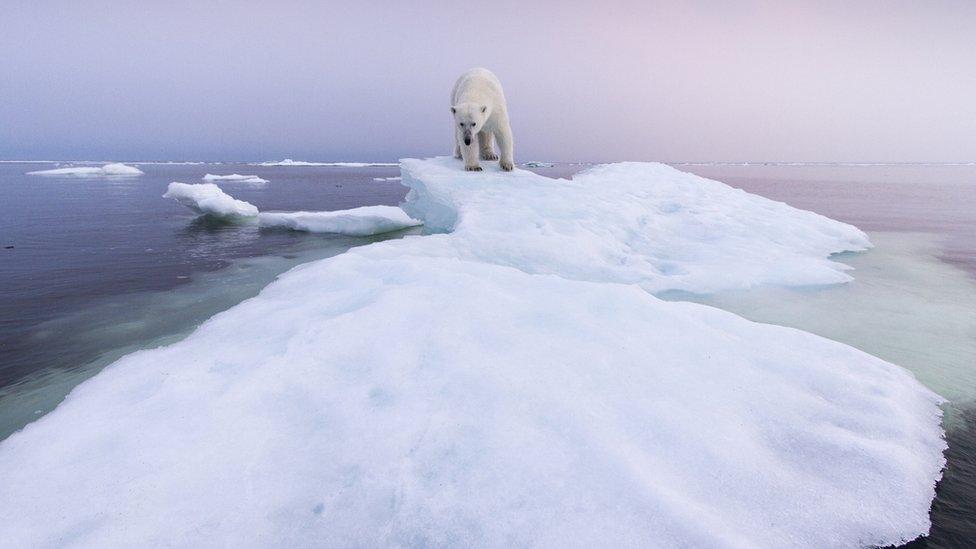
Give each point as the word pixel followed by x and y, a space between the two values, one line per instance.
pixel 670 162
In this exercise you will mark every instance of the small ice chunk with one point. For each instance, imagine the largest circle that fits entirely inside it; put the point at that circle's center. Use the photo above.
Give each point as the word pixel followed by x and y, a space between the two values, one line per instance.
pixel 365 221
pixel 108 170
pixel 120 169
pixel 235 178
pixel 394 178
pixel 535 164
pixel 208 199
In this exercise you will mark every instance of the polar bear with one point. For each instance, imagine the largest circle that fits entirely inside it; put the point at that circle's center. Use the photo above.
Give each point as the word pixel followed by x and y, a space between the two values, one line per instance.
pixel 478 104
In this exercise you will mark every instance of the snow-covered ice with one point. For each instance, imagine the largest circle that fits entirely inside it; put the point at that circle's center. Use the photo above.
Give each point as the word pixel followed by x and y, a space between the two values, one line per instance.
pixel 635 223
pixel 108 170
pixel 364 221
pixel 426 401
pixel 488 387
pixel 235 178
pixel 290 162
pixel 209 199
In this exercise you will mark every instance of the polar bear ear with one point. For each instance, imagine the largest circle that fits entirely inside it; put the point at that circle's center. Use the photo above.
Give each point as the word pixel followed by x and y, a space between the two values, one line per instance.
pixel 454 110
pixel 484 108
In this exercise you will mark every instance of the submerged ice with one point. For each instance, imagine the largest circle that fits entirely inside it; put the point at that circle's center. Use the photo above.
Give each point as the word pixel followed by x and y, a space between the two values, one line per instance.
pixel 906 305
pixel 507 382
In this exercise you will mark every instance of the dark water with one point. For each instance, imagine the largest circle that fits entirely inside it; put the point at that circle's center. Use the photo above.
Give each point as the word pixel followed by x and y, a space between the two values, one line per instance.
pixel 99 268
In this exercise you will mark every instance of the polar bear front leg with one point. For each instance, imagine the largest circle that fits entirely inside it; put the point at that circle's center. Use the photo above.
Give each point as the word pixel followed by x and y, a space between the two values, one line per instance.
pixel 457 149
pixel 503 134
pixel 484 145
pixel 470 154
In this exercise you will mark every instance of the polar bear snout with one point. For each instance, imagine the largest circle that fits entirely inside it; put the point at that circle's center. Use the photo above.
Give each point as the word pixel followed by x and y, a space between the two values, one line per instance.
pixel 466 137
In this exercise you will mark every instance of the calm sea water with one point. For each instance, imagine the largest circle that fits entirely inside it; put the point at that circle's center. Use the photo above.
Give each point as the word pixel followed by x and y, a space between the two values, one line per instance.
pixel 91 269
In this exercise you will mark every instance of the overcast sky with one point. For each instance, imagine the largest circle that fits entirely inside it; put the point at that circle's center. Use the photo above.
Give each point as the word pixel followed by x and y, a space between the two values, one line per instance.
pixel 587 81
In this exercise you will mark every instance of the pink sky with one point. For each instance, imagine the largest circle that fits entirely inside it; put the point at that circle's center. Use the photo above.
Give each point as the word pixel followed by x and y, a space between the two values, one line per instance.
pixel 587 81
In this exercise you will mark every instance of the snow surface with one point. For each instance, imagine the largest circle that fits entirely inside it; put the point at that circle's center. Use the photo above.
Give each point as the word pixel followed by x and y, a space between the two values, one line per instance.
pixel 290 162
pixel 235 178
pixel 108 170
pixel 635 223
pixel 208 199
pixel 403 395
pixel 364 221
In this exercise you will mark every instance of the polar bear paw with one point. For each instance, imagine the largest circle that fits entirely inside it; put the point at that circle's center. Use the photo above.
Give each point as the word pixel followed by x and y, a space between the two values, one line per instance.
pixel 489 156
pixel 472 168
pixel 506 165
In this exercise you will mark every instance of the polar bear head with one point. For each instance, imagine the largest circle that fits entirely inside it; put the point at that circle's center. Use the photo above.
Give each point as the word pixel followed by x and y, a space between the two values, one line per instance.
pixel 469 119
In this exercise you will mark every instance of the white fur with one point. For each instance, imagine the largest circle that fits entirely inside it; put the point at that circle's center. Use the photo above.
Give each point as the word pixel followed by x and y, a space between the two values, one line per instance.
pixel 480 113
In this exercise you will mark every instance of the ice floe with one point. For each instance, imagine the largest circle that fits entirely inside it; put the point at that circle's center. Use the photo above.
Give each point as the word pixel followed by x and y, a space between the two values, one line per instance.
pixel 636 223
pixel 108 170
pixel 499 386
pixel 535 164
pixel 364 221
pixel 394 178
pixel 428 401
pixel 235 178
pixel 209 199
pixel 290 162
